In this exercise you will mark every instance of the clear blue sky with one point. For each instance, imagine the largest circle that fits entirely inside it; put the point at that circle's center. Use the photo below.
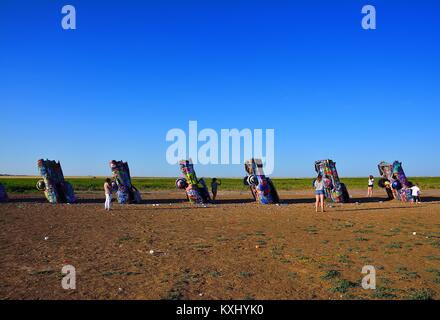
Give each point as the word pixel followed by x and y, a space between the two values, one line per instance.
pixel 135 69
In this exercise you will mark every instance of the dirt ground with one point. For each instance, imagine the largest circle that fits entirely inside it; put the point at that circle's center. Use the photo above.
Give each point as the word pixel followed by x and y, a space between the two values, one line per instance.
pixel 235 249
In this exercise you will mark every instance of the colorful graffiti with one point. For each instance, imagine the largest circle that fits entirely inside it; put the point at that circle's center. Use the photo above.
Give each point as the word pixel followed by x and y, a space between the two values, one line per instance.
pixel 334 189
pixel 196 189
pixel 56 189
pixel 394 180
pixel 126 192
pixel 261 186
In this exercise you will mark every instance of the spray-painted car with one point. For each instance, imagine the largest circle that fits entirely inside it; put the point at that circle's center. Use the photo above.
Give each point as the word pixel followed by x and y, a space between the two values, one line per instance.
pixel 56 189
pixel 126 192
pixel 3 194
pixel 394 180
pixel 334 189
pixel 261 186
pixel 196 189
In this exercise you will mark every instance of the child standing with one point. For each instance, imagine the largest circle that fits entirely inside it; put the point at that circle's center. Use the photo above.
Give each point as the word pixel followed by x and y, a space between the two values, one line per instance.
pixel 214 185
pixel 415 191
pixel 370 186
pixel 108 194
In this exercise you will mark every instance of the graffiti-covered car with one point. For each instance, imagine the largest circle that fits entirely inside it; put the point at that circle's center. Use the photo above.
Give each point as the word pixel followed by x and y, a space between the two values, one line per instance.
pixel 261 186
pixel 126 192
pixel 55 187
pixel 334 188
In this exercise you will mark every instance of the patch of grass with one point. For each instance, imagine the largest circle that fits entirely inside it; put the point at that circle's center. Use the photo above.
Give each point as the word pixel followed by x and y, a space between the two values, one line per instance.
pixel 348 224
pixel 361 239
pixel 221 238
pixel 342 286
pixel 249 296
pixel 119 273
pixel 366 259
pixel 277 251
pixel 384 293
pixel 311 230
pixel 174 294
pixel 177 292
pixel 245 274
pixel 436 244
pixel 436 273
pixel 343 258
pixel 432 258
pixel 201 246
pixel 403 271
pixel 421 294
pixel 331 274
pixel 124 238
pixel 44 271
pixel 394 245
pixel 305 259
pixel 386 281
pixel 214 274
pixel 363 231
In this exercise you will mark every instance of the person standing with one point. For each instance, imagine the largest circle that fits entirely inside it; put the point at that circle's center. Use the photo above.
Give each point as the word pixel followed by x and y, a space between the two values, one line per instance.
pixel 108 194
pixel 214 185
pixel 370 186
pixel 319 193
pixel 415 192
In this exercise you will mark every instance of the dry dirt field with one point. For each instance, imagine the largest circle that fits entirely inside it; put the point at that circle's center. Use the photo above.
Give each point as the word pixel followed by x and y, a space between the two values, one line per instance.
pixel 235 249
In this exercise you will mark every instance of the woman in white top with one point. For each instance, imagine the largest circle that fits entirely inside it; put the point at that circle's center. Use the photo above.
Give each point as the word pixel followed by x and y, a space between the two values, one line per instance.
pixel 108 194
pixel 370 186
pixel 319 193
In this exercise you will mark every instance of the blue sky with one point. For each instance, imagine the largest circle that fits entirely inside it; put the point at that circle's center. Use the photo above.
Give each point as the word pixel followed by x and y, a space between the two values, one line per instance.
pixel 132 70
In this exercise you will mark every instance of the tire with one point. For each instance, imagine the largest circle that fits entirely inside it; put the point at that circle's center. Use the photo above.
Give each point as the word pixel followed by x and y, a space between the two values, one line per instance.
pixel 381 182
pixel 41 186
pixel 252 180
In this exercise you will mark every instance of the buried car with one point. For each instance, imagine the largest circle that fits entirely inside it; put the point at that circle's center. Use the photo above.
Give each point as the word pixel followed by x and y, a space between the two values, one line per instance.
pixel 55 187
pixel 261 186
pixel 126 192
pixel 394 180
pixel 196 189
pixel 334 189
